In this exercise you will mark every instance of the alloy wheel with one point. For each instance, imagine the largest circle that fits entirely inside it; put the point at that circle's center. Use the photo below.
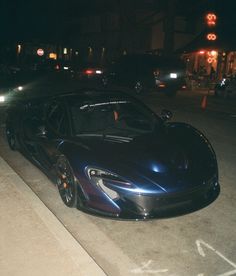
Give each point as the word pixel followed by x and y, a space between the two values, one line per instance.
pixel 66 183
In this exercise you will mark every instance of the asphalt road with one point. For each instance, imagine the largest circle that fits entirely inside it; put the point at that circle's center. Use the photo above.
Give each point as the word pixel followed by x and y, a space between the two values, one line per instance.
pixel 200 244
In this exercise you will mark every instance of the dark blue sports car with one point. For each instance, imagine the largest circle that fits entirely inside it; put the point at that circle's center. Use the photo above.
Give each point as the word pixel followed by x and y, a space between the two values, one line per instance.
pixel 112 156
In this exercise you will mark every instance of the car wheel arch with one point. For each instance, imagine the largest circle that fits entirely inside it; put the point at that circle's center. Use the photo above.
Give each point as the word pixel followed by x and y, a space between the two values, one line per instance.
pixel 80 194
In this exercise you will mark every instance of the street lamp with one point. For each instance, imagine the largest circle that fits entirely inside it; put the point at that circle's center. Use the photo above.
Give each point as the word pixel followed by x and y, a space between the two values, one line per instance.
pixel 18 49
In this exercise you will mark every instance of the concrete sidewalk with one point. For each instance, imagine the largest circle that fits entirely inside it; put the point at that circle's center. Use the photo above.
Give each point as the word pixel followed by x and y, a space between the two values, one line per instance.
pixel 32 240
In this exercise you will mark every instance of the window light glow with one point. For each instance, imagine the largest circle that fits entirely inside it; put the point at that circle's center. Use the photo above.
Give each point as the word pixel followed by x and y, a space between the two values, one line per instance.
pixel 173 75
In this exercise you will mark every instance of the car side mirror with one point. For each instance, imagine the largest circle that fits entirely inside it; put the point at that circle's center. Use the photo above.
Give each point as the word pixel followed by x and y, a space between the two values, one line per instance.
pixel 166 115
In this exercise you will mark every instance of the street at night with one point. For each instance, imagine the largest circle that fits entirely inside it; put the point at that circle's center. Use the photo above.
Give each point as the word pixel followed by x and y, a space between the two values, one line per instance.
pixel 117 138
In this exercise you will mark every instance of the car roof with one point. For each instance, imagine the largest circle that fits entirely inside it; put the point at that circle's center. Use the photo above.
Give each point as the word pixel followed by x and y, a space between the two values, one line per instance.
pixel 93 92
pixel 80 93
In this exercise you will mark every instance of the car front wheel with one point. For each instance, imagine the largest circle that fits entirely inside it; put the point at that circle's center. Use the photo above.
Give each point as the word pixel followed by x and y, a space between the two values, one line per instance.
pixel 66 183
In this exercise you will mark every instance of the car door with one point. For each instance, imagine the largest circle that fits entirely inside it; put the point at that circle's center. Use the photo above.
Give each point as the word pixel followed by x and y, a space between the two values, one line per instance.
pixel 44 126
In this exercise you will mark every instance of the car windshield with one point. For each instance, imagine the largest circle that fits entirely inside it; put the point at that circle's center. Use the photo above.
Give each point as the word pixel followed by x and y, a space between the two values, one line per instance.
pixel 114 117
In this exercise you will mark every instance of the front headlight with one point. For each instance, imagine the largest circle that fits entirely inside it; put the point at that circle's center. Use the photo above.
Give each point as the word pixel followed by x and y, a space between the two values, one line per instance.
pixel 106 180
pixel 2 99
pixel 20 88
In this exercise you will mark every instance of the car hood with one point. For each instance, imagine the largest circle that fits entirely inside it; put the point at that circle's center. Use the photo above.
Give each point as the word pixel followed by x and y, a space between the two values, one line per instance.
pixel 172 158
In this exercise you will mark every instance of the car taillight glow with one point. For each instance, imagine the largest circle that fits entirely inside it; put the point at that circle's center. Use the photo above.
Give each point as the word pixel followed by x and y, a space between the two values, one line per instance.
pixel 88 71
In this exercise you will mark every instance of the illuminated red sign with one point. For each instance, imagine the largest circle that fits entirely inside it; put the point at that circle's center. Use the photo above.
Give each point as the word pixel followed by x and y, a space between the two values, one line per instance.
pixel 211 36
pixel 211 19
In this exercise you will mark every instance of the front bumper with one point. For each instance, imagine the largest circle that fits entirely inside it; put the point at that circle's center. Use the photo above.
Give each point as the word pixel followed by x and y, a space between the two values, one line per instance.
pixel 144 207
pixel 149 207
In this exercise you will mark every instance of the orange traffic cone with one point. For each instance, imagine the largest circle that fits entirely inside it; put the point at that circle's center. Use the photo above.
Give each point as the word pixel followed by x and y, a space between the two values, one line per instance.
pixel 204 102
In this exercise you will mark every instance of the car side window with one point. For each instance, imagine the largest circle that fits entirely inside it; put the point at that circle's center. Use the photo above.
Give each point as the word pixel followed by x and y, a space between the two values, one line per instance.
pixel 31 120
pixel 56 118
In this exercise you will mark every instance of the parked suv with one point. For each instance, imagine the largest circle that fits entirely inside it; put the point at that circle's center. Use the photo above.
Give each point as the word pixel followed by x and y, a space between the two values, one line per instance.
pixel 146 72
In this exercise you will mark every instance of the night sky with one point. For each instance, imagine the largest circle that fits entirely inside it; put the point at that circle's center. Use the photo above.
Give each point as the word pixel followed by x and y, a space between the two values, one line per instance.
pixel 46 19
pixel 28 19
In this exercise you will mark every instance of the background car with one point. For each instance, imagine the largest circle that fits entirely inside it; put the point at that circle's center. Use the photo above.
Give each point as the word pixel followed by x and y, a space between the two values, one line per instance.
pixel 145 72
pixel 110 155
pixel 10 86
pixel 89 74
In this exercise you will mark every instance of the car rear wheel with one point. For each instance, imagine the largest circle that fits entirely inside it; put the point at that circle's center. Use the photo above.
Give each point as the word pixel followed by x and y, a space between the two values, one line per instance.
pixel 66 183
pixel 11 139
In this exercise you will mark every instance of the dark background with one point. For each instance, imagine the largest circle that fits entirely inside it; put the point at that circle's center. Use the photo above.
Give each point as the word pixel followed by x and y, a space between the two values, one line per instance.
pixel 51 20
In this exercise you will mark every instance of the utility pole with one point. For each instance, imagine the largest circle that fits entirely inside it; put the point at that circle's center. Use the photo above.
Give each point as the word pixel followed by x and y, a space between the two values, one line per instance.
pixel 169 27
pixel 127 16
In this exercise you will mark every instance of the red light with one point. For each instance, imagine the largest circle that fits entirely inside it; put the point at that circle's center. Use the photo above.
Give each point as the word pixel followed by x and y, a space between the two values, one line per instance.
pixel 201 52
pixel 210 60
pixel 89 72
pixel 211 23
pixel 211 19
pixel 213 53
pixel 211 36
pixel 116 115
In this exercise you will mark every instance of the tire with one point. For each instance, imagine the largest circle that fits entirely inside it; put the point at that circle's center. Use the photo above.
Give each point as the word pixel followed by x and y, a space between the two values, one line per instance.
pixel 11 139
pixel 66 182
